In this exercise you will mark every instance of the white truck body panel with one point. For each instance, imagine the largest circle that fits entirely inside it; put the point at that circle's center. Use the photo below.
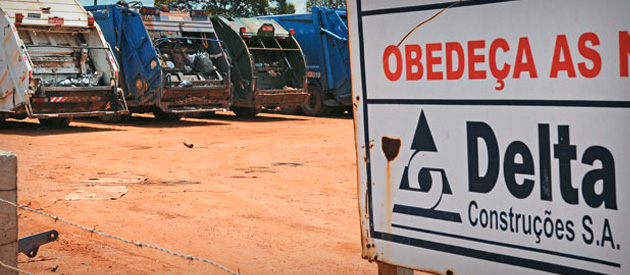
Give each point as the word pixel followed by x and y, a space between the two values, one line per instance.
pixel 38 54
pixel 37 12
pixel 15 68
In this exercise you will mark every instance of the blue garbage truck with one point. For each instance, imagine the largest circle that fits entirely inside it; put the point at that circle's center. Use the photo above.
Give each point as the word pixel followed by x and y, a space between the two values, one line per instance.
pixel 172 61
pixel 323 36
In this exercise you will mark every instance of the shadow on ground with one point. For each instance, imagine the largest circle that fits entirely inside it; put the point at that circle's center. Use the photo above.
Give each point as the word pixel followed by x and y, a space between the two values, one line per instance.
pixel 151 122
pixel 302 116
pixel 33 128
pixel 262 117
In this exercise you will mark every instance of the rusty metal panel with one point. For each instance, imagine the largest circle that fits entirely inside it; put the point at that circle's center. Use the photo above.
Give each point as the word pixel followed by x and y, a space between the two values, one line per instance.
pixel 178 21
pixel 492 135
pixel 37 53
pixel 180 26
pixel 14 67
pixel 252 25
pixel 39 12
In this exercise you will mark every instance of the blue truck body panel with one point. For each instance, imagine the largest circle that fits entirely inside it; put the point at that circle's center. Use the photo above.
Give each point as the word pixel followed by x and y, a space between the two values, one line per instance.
pixel 323 36
pixel 133 50
pixel 158 59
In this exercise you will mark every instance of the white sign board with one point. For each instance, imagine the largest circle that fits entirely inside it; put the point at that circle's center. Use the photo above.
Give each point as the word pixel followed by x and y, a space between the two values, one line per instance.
pixel 496 137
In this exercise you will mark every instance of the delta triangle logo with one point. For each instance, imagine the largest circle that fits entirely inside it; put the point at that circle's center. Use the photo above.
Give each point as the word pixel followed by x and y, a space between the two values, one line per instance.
pixel 429 184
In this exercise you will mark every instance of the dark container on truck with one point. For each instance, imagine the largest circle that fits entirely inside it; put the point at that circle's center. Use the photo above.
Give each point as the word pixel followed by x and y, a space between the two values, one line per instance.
pixel 268 66
pixel 323 36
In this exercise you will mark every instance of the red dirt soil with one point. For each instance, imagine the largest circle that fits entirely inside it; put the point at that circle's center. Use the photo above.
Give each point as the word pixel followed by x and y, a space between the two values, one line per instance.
pixel 271 195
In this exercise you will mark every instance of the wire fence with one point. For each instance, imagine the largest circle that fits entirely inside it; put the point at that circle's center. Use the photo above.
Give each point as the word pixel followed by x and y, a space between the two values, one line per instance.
pixel 14 268
pixel 137 244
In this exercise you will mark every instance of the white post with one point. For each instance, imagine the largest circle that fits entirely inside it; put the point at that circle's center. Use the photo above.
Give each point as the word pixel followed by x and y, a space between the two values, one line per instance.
pixel 8 213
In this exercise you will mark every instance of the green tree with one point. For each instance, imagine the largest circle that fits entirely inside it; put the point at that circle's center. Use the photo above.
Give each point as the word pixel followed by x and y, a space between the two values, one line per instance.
pixel 194 4
pixel 235 8
pixel 339 4
pixel 282 7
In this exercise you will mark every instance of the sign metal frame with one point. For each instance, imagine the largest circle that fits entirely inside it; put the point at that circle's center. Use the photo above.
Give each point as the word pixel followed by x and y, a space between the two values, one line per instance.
pixel 365 143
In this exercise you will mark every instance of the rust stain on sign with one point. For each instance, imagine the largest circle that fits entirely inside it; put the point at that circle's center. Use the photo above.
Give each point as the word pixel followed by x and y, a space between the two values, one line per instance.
pixel 388 198
pixel 391 147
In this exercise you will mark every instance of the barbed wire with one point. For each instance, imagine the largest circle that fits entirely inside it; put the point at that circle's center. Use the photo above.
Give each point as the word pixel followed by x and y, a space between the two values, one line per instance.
pixel 138 244
pixel 15 268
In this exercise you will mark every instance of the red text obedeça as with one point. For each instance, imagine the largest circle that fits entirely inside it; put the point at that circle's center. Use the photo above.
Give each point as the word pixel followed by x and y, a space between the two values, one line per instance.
pixel 425 62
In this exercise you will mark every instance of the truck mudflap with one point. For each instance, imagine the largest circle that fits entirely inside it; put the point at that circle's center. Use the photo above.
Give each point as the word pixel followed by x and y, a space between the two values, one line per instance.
pixel 76 102
pixel 275 98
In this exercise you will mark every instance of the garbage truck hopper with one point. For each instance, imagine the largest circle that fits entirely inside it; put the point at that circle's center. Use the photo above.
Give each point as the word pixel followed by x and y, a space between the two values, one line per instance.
pixel 55 63
pixel 172 61
pixel 269 69
pixel 323 36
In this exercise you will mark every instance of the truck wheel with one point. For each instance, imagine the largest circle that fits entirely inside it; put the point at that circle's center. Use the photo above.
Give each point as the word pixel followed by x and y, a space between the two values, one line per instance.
pixel 210 114
pixel 289 110
pixel 315 104
pixel 114 118
pixel 2 120
pixel 106 118
pixel 338 111
pixel 159 114
pixel 245 112
pixel 117 119
pixel 56 121
pixel 125 118
pixel 350 110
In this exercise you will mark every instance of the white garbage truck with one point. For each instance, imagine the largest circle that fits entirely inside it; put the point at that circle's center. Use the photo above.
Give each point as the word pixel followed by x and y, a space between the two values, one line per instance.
pixel 55 63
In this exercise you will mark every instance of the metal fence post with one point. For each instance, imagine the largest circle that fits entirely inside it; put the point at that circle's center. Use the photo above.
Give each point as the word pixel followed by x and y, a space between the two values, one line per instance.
pixel 8 213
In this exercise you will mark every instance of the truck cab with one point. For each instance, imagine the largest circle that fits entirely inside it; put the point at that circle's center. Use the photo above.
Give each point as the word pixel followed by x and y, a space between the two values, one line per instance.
pixel 172 61
pixel 269 69
pixel 55 63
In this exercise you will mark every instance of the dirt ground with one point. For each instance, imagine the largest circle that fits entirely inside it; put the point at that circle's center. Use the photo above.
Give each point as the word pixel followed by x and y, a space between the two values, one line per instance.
pixel 272 195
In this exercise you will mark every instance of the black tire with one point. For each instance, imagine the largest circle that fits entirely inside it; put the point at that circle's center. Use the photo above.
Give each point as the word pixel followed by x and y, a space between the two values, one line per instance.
pixel 314 106
pixel 159 114
pixel 245 112
pixel 114 118
pixel 55 121
pixel 106 118
pixel 350 110
pixel 3 120
pixel 210 114
pixel 125 118
pixel 290 110
pixel 338 111
pixel 117 119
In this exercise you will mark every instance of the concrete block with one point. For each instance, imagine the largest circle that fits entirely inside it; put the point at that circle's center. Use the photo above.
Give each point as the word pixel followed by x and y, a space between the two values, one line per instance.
pixel 8 218
pixel 8 255
pixel 8 213
pixel 8 171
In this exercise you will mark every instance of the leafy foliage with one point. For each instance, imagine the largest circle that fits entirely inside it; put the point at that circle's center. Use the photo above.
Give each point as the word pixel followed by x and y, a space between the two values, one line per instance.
pixel 194 4
pixel 235 8
pixel 339 4
pixel 282 7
